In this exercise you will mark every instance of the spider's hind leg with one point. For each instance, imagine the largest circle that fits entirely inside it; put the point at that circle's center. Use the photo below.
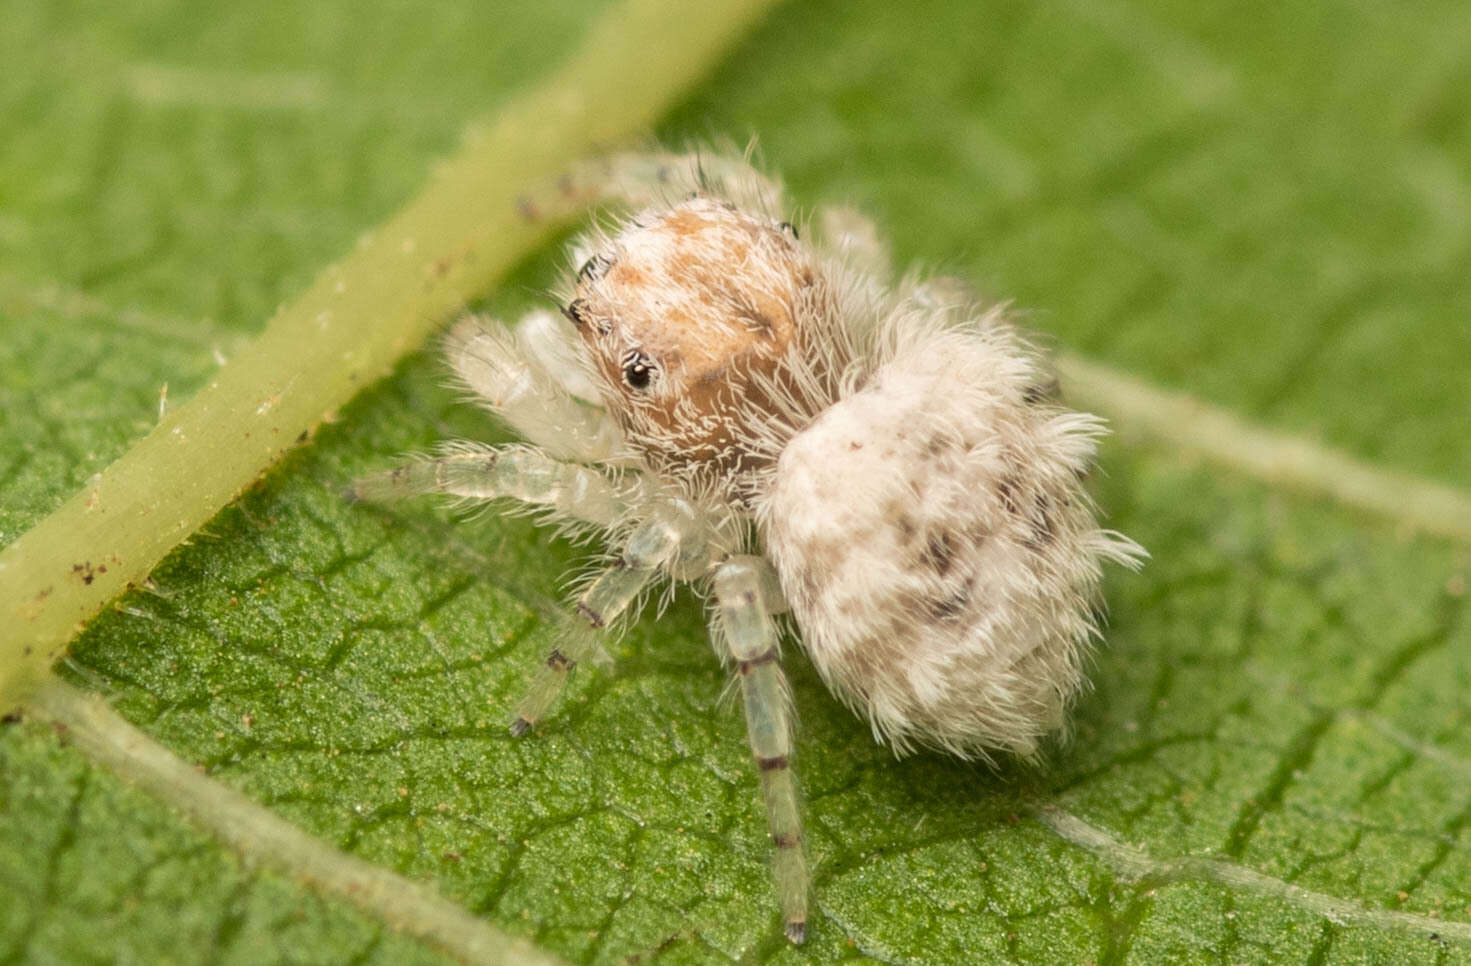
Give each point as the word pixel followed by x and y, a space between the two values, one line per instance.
pixel 742 621
pixel 638 179
pixel 848 232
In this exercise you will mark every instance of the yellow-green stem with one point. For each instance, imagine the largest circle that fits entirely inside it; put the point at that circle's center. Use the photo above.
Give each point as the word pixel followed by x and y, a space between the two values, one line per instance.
pixel 349 328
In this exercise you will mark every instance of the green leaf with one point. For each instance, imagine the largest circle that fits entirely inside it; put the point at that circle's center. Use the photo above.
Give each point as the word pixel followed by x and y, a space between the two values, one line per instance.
pixel 485 208
pixel 1265 206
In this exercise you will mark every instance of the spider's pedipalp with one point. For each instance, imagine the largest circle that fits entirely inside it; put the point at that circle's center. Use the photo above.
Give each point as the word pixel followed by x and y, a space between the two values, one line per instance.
pixel 552 343
pixel 506 376
pixel 576 642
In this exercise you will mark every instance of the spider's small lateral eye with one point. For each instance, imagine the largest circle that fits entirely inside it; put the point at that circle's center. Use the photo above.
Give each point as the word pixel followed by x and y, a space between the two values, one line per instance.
pixel 576 312
pixel 638 370
pixel 594 268
pixel 789 228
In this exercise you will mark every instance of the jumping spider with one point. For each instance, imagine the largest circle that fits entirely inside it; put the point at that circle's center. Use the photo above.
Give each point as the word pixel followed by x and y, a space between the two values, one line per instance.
pixel 775 421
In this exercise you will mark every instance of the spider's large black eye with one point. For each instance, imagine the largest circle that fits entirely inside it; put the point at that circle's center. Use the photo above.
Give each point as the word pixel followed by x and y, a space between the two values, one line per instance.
pixel 638 370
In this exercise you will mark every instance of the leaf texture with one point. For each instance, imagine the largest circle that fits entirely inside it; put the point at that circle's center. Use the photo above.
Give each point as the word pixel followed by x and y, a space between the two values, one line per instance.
pixel 1265 206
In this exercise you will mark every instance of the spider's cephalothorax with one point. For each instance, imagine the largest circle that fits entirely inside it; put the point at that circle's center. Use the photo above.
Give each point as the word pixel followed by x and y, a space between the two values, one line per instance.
pixel 702 322
pixel 775 421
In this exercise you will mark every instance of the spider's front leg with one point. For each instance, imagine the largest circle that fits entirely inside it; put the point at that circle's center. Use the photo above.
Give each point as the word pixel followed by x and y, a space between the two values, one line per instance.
pixel 476 473
pixel 742 621
pixel 664 542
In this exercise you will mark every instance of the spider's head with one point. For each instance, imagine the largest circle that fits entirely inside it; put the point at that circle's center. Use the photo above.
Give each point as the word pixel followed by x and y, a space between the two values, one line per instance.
pixel 693 315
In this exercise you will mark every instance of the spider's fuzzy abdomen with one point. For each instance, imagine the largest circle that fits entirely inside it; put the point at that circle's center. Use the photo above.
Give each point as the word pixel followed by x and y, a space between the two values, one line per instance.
pixel 938 551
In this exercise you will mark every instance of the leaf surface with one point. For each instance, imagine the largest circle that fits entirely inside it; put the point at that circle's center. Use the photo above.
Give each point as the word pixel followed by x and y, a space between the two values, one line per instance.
pixel 1266 207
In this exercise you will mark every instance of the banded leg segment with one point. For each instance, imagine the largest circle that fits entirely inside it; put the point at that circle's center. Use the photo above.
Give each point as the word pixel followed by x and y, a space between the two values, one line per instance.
pixel 650 548
pixel 576 642
pixel 484 473
pixel 743 620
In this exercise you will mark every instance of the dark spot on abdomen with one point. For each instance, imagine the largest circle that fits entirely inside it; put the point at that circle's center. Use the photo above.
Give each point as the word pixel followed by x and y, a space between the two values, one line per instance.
pixel 947 606
pixel 1006 488
pixel 939 552
pixel 1044 527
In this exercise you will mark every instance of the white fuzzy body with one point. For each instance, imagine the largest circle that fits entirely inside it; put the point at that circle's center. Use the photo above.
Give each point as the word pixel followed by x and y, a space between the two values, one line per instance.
pixel 916 486
pixel 913 479
pixel 779 423
pixel 936 548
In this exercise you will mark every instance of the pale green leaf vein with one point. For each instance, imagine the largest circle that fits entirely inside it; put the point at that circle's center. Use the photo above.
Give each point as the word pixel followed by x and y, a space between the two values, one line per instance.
pixel 1135 864
pixel 259 835
pixel 1198 428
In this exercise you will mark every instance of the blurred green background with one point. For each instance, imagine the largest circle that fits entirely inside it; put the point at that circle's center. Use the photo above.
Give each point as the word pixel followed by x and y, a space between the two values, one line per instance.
pixel 1267 205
